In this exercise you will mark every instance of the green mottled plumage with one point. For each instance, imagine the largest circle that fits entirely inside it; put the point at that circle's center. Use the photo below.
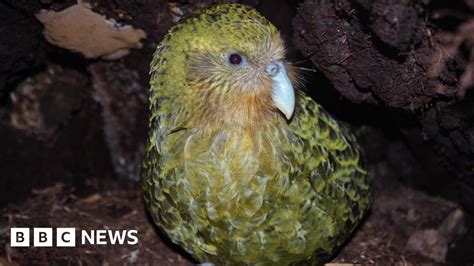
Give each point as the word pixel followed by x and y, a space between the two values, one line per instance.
pixel 226 176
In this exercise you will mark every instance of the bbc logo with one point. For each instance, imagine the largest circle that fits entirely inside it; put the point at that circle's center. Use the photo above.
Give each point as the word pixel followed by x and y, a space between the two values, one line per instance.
pixel 66 237
pixel 42 237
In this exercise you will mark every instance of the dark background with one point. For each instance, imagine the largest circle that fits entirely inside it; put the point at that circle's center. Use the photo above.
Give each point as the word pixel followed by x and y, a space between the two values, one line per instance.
pixel 73 129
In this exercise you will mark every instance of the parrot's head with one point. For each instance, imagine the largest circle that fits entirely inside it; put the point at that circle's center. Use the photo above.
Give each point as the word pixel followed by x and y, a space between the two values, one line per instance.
pixel 231 68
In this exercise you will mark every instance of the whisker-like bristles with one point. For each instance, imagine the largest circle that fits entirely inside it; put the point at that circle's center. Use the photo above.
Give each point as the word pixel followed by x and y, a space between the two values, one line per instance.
pixel 306 69
pixel 301 68
pixel 300 62
pixel 301 83
pixel 300 78
pixel 305 74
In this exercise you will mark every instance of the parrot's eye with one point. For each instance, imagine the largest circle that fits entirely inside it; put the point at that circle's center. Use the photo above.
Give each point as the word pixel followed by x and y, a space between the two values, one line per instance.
pixel 235 59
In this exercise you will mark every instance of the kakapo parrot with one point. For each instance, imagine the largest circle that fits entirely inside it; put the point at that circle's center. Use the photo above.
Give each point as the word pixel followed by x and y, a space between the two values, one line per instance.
pixel 240 167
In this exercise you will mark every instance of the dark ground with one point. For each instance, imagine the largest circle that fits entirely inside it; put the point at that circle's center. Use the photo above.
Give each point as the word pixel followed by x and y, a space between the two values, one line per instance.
pixel 399 214
pixel 73 124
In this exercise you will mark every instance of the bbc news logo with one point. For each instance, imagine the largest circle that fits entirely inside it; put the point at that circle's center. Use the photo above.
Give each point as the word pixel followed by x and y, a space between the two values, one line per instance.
pixel 66 237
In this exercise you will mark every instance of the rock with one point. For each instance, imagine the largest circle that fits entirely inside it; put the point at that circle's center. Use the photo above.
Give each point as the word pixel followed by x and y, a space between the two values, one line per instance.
pixel 44 102
pixel 429 243
pixel 79 29
pixel 433 243
pixel 124 113
pixel 382 53
pixel 20 47
pixel 453 226
pixel 396 24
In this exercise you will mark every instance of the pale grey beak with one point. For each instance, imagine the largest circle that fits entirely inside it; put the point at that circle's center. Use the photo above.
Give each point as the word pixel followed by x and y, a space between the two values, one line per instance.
pixel 283 95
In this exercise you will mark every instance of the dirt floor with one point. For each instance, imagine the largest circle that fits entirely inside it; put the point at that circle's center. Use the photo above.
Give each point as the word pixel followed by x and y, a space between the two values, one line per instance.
pixel 405 227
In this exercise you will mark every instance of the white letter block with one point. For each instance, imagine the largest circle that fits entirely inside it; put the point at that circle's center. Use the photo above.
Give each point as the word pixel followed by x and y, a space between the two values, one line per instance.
pixel 20 237
pixel 42 237
pixel 66 237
